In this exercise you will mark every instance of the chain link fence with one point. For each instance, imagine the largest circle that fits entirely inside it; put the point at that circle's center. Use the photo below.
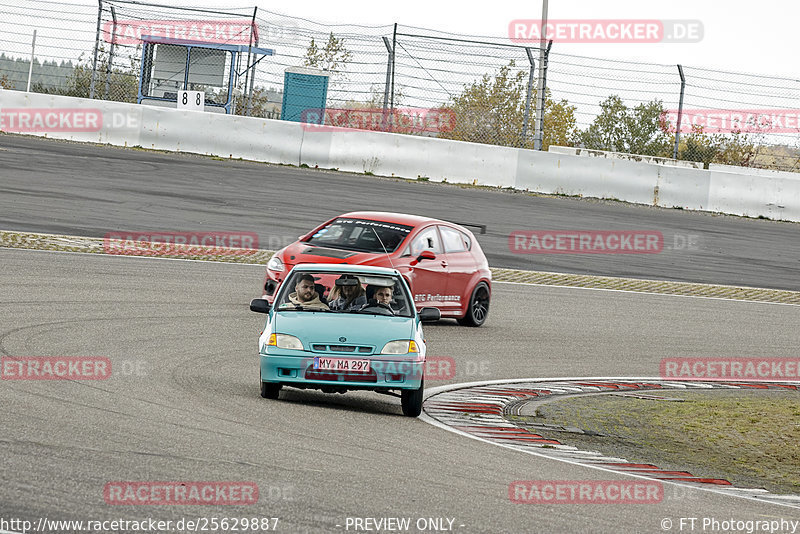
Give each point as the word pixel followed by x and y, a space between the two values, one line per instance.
pixel 421 82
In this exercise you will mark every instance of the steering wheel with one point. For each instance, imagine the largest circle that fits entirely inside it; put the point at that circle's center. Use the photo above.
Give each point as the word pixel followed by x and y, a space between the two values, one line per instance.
pixel 379 307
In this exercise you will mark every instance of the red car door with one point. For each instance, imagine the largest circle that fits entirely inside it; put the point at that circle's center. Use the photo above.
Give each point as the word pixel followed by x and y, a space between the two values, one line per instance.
pixel 461 267
pixel 428 277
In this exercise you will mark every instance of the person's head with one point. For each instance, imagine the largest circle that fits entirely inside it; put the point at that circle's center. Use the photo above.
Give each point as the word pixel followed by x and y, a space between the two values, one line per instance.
pixel 348 291
pixel 383 295
pixel 305 288
pixel 348 287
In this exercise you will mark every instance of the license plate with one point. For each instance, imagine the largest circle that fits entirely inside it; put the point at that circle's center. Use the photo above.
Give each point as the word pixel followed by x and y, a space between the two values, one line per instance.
pixel 341 364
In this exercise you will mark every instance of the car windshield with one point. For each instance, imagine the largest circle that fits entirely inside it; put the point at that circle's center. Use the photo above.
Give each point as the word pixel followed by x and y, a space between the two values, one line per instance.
pixel 335 292
pixel 361 235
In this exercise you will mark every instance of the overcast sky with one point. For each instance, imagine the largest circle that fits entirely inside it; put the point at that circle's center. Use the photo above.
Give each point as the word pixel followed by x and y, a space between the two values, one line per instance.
pixel 744 36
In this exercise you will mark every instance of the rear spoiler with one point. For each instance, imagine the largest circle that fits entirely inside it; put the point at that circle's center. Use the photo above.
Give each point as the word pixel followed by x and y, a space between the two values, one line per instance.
pixel 481 226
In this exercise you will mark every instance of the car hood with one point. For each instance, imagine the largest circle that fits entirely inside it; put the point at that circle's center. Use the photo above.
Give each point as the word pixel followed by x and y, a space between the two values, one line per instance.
pixel 305 253
pixel 357 329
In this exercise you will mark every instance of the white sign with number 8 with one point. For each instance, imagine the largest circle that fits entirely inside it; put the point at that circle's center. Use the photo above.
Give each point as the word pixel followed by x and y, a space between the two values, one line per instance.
pixel 193 100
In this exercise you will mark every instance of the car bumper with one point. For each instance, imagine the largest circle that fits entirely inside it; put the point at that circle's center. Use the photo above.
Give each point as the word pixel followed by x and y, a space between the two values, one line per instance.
pixel 384 373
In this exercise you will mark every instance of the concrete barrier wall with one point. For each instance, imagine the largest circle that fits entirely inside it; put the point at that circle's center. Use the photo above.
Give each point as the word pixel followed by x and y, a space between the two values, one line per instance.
pixel 171 129
pixel 410 156
pixel 589 153
pixel 573 175
pixel 407 156
pixel 754 171
pixel 755 196
pixel 678 188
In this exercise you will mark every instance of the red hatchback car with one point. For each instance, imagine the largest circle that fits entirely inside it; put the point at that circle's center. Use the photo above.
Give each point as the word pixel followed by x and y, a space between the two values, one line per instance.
pixel 441 261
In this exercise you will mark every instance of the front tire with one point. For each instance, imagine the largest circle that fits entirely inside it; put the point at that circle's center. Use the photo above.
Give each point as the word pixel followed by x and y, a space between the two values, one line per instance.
pixel 411 400
pixel 270 390
pixel 478 307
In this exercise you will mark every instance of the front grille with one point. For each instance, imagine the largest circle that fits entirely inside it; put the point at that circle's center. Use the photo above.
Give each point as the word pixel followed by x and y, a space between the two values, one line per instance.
pixel 319 347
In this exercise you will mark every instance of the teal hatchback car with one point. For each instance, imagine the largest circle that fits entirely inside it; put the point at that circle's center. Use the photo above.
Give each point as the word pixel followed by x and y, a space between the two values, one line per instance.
pixel 339 327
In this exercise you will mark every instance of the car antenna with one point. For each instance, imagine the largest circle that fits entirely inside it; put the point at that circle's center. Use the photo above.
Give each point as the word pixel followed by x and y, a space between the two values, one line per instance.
pixel 388 257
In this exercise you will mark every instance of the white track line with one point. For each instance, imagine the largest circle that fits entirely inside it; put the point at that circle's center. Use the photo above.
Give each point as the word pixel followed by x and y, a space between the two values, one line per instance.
pixel 440 389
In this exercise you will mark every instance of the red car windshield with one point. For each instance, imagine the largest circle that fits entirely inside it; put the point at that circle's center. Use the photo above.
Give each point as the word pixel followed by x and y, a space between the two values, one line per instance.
pixel 361 235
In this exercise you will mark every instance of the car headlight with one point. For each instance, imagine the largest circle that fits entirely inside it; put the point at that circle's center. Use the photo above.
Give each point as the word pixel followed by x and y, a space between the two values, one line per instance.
pixel 275 263
pixel 402 346
pixel 284 341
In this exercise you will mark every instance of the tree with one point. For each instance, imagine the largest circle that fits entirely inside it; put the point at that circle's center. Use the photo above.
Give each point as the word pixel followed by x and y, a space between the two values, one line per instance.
pixel 123 82
pixel 619 128
pixel 736 148
pixel 492 109
pixel 333 57
pixel 560 124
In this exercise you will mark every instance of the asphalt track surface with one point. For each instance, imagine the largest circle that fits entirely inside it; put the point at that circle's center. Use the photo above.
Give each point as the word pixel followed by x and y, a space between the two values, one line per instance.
pixel 183 403
pixel 77 189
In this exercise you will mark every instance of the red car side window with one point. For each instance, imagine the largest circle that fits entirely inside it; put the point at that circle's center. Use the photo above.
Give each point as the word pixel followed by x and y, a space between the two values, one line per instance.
pixel 428 239
pixel 453 240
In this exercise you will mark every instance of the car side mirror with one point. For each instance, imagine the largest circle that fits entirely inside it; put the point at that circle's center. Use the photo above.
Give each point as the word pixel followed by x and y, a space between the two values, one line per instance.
pixel 429 314
pixel 259 306
pixel 425 255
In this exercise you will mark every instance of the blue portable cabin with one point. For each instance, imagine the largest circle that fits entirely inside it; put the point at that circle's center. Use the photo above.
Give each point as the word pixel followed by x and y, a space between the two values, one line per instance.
pixel 305 94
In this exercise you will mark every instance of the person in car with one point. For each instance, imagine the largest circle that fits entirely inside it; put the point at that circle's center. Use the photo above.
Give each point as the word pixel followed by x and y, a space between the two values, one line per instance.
pixel 382 295
pixel 347 294
pixel 305 295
